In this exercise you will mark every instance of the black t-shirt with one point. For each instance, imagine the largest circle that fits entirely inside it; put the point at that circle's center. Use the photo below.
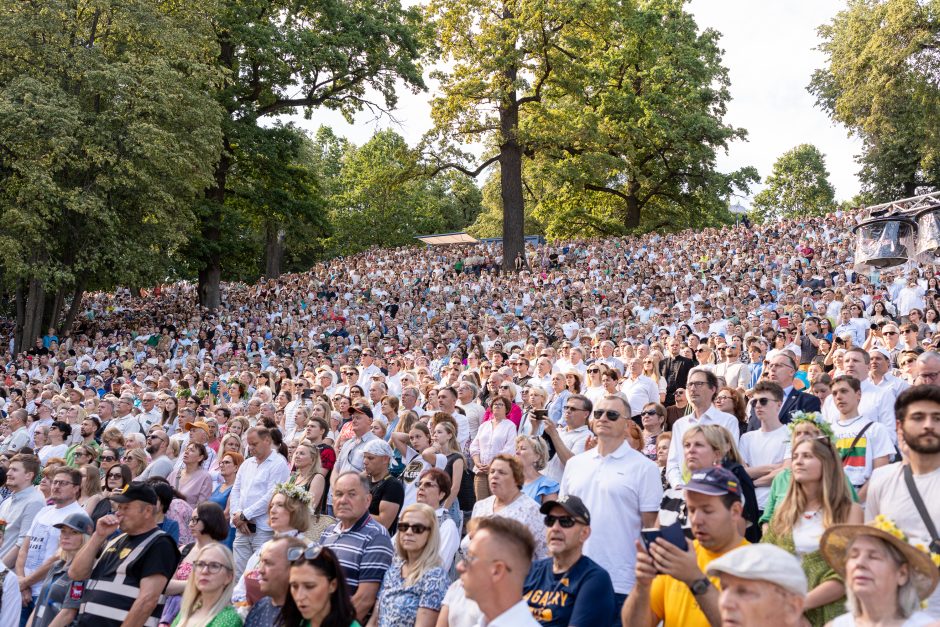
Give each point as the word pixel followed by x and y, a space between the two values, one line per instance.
pixel 389 489
pixel 161 558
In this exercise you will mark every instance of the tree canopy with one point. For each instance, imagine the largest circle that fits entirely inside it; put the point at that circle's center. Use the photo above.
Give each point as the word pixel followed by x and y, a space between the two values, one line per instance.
pixel 798 186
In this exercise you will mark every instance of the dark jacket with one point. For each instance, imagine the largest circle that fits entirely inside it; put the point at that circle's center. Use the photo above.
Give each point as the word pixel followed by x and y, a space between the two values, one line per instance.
pixel 676 372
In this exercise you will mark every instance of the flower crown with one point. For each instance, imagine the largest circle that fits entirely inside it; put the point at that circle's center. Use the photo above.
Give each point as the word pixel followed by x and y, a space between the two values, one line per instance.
pixel 887 525
pixel 292 491
pixel 799 417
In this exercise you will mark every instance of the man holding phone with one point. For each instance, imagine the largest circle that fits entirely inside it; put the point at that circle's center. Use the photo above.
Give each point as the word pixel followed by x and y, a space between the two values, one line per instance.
pixel 671 585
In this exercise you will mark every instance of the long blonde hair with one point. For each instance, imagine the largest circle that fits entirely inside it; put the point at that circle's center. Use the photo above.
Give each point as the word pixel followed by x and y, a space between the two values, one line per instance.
pixel 192 598
pixel 429 557
pixel 836 501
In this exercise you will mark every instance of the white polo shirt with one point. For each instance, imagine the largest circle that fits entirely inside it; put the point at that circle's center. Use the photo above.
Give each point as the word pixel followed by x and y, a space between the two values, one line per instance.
pixel 616 488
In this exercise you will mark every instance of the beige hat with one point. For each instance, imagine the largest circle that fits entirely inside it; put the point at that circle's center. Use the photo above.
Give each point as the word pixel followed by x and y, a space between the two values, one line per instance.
pixel 764 562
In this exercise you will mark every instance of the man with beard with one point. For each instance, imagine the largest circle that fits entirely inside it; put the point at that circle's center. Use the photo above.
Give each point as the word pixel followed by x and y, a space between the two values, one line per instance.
pixel 87 430
pixel 160 464
pixel 910 493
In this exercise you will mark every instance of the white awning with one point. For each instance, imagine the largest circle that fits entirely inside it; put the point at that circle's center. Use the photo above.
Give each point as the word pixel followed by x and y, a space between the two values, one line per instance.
pixel 443 239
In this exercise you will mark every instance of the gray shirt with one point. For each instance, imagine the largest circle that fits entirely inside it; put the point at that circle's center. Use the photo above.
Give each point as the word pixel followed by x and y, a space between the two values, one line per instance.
pixel 160 467
pixel 19 511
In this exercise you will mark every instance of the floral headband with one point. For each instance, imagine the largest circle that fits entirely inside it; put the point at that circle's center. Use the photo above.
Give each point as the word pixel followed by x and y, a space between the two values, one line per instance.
pixel 814 417
pixel 292 491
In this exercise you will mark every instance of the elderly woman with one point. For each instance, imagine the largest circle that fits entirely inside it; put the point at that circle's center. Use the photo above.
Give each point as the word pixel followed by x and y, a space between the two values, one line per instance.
pixel 886 577
pixel 533 453
pixel 506 479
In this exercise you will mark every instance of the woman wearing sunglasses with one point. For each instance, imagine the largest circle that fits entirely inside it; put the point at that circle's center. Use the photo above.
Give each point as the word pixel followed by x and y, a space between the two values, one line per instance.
pixel 116 478
pixel 319 596
pixel 415 584
pixel 207 598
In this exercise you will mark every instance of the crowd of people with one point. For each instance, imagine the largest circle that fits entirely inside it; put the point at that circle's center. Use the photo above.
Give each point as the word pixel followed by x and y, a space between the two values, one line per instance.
pixel 730 426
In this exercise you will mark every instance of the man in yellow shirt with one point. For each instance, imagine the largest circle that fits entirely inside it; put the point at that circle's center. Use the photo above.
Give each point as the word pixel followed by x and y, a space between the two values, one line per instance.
pixel 671 585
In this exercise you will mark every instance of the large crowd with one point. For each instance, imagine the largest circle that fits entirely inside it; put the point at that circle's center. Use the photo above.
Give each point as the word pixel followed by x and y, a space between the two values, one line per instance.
pixel 721 427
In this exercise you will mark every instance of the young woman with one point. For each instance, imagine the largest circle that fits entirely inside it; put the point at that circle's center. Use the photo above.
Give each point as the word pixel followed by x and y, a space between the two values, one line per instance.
pixel 55 603
pixel 444 441
pixel 816 499
pixel 417 457
pixel 653 418
pixel 319 596
pixel 731 401
pixel 307 473
pixel 192 480
pixel 207 524
pixel 651 369
pixel 99 505
pixel 207 598
pixel 533 454
pixel 229 463
pixel 415 584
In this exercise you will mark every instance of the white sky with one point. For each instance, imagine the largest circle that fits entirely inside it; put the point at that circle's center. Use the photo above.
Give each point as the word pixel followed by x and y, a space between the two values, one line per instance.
pixel 769 51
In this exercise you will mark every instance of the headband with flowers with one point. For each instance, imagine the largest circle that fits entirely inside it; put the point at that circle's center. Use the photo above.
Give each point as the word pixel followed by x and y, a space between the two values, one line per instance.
pixel 813 417
pixel 292 491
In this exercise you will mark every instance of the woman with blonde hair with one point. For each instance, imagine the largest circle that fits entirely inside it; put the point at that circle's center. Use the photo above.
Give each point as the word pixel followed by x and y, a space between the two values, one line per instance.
pixel 307 471
pixel 207 599
pixel 51 606
pixel 651 369
pixel 415 584
pixel 533 453
pixel 817 498
pixel 136 460
pixel 444 441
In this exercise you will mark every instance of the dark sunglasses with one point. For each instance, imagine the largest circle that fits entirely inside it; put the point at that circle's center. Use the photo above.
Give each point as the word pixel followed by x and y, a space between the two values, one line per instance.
pixel 763 401
pixel 593 370
pixel 566 522
pixel 649 412
pixel 416 528
pixel 109 459
pixel 312 552
pixel 609 414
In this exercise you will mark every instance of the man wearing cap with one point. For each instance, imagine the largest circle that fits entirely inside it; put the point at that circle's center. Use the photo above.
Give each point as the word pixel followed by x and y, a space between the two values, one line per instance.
pixel 671 585
pixel 761 584
pixel 60 597
pixel 125 583
pixel 197 432
pixel 350 453
pixel 880 371
pixel 388 493
pixel 569 588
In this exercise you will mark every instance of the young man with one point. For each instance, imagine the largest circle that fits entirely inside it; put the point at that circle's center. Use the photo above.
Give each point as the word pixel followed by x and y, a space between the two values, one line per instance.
pixel 862 444
pixel 571 439
pixel 889 490
pixel 764 450
pixel 21 507
pixel 569 588
pixel 671 585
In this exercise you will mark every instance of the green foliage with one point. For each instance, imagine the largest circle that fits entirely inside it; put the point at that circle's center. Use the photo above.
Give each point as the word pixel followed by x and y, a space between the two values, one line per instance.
pixel 880 81
pixel 108 131
pixel 384 197
pixel 798 186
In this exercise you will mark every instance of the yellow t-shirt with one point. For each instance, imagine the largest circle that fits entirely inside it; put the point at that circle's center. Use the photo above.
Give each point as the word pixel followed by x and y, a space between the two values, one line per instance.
pixel 673 602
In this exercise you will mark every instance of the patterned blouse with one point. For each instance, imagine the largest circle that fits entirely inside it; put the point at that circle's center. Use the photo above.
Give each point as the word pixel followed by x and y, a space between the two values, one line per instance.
pixel 399 603
pixel 523 509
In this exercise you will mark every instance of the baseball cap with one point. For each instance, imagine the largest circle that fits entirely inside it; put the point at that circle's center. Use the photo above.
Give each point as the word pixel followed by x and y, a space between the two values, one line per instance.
pixel 571 504
pixel 79 522
pixel 136 491
pixel 713 482
pixel 199 424
pixel 765 562
pixel 377 447
pixel 362 409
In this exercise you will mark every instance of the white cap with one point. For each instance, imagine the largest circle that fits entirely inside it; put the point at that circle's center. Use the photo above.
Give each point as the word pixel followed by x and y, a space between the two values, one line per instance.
pixel 377 447
pixel 764 562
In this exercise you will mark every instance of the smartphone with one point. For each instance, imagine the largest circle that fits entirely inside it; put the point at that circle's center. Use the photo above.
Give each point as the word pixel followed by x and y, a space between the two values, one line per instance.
pixel 307 394
pixel 540 414
pixel 673 534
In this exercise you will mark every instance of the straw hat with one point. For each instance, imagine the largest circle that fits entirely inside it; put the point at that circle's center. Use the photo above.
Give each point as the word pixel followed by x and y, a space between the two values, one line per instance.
pixel 835 543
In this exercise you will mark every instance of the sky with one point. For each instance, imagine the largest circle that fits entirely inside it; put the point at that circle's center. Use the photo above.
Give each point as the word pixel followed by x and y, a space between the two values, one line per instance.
pixel 769 50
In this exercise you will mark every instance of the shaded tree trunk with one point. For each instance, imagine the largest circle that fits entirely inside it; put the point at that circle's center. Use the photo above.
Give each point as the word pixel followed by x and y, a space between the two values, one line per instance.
pixel 510 179
pixel 210 275
pixel 32 314
pixel 77 295
pixel 57 303
pixel 19 298
pixel 631 217
pixel 273 250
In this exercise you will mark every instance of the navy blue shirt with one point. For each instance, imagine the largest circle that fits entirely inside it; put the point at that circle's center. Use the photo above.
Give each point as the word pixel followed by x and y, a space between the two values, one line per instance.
pixel 581 597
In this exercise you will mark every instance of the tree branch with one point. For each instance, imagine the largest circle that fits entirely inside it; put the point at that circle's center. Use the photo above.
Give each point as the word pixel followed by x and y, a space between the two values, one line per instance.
pixel 460 168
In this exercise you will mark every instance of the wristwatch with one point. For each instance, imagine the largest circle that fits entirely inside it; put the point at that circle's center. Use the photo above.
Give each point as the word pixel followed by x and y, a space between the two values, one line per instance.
pixel 700 586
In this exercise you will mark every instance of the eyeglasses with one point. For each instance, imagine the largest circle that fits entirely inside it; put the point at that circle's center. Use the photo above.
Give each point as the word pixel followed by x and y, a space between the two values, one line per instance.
pixel 609 414
pixel 312 552
pixel 569 408
pixel 504 387
pixel 81 454
pixel 764 400
pixel 566 522
pixel 696 384
pixel 56 484
pixel 723 397
pixel 889 332
pixel 115 475
pixel 415 528
pixel 211 567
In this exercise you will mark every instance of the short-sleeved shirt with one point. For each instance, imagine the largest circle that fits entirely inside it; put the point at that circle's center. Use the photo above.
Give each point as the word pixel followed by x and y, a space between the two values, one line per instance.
pixel 399 603
pixel 761 448
pixel 582 596
pixel 391 490
pixel 364 550
pixel 858 460
pixel 58 592
pixel 44 537
pixel 672 601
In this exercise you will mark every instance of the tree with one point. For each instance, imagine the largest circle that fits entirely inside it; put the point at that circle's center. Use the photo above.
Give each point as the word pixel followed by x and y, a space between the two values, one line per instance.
pixel 798 186
pixel 384 197
pixel 109 130
pixel 281 57
pixel 880 81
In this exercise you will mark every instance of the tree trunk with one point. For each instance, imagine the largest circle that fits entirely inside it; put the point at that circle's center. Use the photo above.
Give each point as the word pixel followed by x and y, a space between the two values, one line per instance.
pixel 210 275
pixel 77 294
pixel 57 305
pixel 510 179
pixel 20 299
pixel 35 305
pixel 273 250
pixel 631 218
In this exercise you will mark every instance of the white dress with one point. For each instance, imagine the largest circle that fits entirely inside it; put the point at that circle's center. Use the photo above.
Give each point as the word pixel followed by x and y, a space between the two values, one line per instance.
pixel 917 619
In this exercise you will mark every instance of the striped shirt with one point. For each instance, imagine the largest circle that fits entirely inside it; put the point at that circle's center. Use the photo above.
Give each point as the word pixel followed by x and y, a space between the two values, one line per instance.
pixel 364 551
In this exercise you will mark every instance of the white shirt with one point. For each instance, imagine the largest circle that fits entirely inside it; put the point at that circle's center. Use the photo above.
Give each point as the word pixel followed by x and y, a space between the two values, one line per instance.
pixel 616 489
pixel 44 537
pixel 713 416
pixel 11 600
pixel 640 391
pixel 474 412
pixel 760 448
pixel 575 441
pixel 877 405
pixel 519 615
pixel 254 487
pixel 892 384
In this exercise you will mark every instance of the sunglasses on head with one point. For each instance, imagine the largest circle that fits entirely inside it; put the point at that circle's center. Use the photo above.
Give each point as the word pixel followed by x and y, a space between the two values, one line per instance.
pixel 311 552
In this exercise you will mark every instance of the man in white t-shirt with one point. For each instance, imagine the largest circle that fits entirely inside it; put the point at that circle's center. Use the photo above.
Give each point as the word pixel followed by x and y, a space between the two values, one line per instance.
pixel 623 486
pixel 918 411
pixel 863 444
pixel 764 450
pixel 876 403
pixel 570 440
pixel 42 540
